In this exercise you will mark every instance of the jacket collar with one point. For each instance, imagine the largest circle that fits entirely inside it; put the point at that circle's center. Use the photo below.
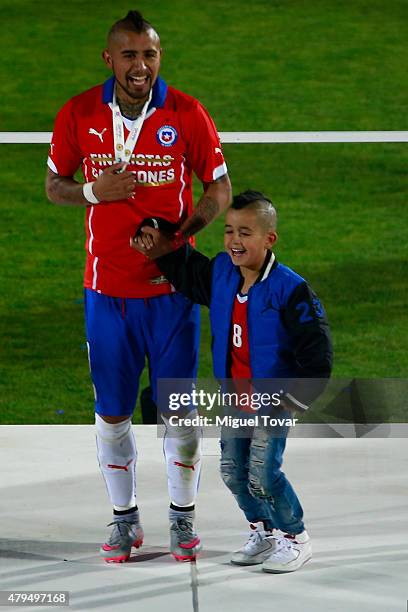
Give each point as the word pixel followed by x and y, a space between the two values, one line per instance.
pixel 268 266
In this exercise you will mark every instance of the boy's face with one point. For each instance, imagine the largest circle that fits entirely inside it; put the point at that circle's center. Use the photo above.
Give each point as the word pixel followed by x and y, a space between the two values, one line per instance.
pixel 245 239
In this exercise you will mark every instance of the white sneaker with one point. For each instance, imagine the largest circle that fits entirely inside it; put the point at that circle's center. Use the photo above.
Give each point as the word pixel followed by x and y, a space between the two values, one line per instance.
pixel 259 546
pixel 290 554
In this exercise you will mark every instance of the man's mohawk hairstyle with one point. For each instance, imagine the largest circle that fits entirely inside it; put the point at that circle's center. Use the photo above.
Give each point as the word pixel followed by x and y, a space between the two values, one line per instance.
pixel 137 19
pixel 134 22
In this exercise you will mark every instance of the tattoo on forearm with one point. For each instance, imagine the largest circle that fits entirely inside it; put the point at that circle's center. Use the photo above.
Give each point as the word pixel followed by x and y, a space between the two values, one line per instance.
pixel 205 211
pixel 64 190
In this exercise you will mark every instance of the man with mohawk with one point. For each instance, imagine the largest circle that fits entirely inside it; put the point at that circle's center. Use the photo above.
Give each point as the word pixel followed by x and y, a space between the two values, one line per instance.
pixel 138 142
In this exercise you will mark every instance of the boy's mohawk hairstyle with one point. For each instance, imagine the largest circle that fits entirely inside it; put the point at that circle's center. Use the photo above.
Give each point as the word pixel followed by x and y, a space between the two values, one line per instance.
pixel 247 197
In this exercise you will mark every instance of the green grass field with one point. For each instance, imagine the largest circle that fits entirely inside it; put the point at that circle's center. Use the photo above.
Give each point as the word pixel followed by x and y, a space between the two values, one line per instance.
pixel 268 65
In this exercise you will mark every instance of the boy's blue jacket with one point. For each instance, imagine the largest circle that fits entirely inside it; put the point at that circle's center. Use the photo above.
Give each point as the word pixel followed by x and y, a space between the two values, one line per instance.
pixel 288 332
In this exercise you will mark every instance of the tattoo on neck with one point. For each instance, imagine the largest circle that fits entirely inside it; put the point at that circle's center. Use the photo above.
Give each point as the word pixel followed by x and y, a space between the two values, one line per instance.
pixel 129 110
pixel 205 211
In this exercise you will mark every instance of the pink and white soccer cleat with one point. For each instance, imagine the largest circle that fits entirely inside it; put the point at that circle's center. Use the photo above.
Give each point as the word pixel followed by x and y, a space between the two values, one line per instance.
pixel 124 535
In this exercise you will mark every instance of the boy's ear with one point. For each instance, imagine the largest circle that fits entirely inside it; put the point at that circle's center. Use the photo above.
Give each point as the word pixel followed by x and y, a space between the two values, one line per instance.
pixel 271 238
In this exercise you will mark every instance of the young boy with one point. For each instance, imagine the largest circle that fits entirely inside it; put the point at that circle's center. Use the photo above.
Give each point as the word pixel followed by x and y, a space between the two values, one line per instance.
pixel 266 323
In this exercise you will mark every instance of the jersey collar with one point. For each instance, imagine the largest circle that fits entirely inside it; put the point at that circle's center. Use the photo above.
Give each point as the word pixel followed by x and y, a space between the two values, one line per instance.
pixel 158 97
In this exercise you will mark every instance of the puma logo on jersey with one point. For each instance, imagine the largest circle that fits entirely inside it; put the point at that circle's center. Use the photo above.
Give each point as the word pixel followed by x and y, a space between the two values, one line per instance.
pixel 99 134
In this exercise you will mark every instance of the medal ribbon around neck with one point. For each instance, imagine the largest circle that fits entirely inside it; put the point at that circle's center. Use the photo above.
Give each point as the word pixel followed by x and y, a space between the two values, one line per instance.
pixel 124 150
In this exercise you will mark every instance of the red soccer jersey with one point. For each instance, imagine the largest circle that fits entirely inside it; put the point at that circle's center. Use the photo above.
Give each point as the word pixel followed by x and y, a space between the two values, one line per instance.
pixel 178 138
pixel 239 344
pixel 239 348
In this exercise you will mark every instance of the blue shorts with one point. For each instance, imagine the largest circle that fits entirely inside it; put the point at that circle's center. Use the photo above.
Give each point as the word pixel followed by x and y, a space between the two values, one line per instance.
pixel 122 332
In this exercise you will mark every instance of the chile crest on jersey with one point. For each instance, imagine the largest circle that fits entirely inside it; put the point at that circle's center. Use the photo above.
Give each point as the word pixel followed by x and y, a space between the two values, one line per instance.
pixel 167 135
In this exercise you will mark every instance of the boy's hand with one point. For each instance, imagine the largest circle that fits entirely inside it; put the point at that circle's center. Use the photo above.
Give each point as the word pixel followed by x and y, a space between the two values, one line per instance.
pixel 152 242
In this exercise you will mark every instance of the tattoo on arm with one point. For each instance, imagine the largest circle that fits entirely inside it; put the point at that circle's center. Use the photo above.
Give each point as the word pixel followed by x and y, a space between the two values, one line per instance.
pixel 64 190
pixel 205 211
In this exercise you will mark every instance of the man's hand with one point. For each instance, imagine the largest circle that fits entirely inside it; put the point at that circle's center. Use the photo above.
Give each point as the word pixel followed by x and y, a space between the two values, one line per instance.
pixel 152 242
pixel 114 184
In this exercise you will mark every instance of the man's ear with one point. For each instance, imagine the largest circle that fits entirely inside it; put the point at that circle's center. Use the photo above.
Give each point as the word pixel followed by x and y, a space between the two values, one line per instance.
pixel 107 58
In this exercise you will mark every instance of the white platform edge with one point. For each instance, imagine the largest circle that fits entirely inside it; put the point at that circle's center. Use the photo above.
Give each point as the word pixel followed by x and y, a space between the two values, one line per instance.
pixel 250 137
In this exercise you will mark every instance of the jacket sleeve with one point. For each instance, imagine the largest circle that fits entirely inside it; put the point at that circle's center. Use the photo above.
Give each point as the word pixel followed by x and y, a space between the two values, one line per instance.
pixel 306 322
pixel 190 272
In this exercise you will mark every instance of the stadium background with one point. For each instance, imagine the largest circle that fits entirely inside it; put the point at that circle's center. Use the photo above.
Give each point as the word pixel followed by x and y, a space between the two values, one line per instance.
pixel 274 65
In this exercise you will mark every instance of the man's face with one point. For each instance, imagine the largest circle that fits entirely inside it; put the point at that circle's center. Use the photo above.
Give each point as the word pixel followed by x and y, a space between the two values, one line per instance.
pixel 245 240
pixel 135 61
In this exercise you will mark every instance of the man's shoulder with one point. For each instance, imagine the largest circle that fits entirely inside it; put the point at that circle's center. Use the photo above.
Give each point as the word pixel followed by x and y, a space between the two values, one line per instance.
pixel 179 100
pixel 86 99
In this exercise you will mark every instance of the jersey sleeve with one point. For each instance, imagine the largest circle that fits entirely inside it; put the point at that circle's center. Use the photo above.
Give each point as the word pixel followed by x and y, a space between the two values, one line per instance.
pixel 204 152
pixel 65 155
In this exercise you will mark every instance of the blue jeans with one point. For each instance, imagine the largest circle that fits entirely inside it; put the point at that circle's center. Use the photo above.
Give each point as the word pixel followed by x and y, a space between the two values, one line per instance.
pixel 250 467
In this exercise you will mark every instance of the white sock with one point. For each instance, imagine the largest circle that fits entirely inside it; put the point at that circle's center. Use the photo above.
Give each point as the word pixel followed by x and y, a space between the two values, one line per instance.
pixel 116 450
pixel 182 450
